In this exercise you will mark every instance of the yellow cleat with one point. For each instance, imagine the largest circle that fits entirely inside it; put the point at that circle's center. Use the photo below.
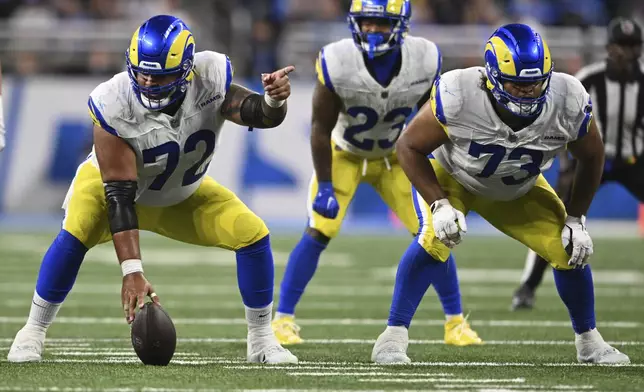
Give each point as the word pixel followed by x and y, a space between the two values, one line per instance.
pixel 459 333
pixel 286 331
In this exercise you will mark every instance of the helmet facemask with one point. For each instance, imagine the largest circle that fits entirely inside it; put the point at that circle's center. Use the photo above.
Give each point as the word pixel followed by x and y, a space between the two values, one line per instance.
pixel 160 96
pixel 520 106
pixel 378 43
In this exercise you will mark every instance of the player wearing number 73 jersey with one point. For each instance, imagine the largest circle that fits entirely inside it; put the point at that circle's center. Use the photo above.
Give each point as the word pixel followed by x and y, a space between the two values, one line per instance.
pixel 155 131
pixel 492 131
pixel 367 87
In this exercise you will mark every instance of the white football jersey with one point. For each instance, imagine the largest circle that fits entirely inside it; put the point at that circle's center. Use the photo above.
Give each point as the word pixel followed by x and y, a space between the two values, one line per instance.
pixel 373 116
pixel 485 155
pixel 173 153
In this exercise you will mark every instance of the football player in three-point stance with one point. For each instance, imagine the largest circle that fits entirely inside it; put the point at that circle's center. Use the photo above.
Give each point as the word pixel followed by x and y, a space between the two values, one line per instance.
pixel 367 87
pixel 155 131
pixel 492 131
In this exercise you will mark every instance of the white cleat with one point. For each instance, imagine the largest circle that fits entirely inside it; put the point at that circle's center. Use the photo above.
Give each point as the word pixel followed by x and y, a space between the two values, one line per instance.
pixel 27 346
pixel 266 349
pixel 391 347
pixel 591 348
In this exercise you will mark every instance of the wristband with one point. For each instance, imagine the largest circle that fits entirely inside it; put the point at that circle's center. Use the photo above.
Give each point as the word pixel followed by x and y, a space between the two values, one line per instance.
pixel 272 102
pixel 131 266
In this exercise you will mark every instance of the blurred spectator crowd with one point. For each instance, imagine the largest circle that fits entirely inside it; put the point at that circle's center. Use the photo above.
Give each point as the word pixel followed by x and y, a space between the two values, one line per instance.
pixel 90 36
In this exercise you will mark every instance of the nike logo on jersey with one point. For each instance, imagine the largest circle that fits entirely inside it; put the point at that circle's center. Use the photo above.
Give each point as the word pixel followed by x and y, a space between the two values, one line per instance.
pixel 554 137
pixel 209 101
pixel 420 81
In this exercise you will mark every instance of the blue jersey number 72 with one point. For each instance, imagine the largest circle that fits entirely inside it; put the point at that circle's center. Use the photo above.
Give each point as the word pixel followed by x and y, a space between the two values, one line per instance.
pixel 173 151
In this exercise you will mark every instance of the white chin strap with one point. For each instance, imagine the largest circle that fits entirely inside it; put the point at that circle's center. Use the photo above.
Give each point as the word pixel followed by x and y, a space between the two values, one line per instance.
pixel 155 104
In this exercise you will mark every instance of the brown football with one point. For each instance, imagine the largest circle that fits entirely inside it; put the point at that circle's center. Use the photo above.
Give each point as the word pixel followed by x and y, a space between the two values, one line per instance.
pixel 153 335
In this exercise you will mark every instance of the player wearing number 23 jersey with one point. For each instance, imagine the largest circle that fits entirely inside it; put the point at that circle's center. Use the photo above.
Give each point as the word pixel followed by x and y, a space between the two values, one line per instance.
pixel 367 87
pixel 155 131
pixel 492 131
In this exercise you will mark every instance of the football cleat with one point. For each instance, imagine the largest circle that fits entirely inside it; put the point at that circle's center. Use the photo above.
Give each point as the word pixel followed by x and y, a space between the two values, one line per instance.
pixel 459 333
pixel 391 347
pixel 286 331
pixel 266 349
pixel 591 348
pixel 27 346
pixel 523 298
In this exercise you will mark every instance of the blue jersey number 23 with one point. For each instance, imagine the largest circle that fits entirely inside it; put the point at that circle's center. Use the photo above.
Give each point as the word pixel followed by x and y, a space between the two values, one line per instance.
pixel 173 151
pixel 532 168
pixel 396 117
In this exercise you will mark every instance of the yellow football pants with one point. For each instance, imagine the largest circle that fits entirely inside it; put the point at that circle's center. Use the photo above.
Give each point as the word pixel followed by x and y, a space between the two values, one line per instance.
pixel 348 171
pixel 535 219
pixel 212 216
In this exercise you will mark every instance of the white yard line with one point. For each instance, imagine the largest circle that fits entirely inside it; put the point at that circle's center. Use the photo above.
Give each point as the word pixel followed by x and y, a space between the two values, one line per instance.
pixel 240 362
pixel 153 389
pixel 449 380
pixel 58 344
pixel 367 373
pixel 338 290
pixel 521 387
pixel 333 321
pixel 506 275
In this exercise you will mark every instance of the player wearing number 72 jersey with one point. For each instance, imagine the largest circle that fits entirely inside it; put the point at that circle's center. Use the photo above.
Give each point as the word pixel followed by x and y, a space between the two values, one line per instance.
pixel 155 131
pixel 367 87
pixel 492 131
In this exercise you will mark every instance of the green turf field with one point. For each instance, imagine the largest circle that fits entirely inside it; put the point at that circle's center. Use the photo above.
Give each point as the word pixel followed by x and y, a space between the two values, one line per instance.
pixel 342 313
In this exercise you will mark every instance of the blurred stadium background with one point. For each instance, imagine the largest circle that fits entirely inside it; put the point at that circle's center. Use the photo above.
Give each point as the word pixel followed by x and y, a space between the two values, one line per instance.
pixel 55 52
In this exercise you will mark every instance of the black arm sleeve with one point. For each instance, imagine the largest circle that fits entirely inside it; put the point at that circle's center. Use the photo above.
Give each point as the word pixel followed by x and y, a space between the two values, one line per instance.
pixel 120 197
pixel 257 115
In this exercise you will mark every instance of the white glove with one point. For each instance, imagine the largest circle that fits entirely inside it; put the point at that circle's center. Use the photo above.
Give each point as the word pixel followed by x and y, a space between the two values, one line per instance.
pixel 449 223
pixel 577 241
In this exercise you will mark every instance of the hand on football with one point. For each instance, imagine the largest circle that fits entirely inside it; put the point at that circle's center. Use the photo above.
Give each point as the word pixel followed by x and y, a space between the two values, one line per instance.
pixel 325 202
pixel 577 241
pixel 277 84
pixel 134 290
pixel 449 223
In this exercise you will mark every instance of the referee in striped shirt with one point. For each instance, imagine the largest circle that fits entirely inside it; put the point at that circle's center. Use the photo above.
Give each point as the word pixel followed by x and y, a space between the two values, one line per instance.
pixel 616 87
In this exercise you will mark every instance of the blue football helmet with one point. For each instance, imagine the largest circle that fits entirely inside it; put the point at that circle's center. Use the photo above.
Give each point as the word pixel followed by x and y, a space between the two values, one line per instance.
pixel 516 53
pixel 163 45
pixel 397 12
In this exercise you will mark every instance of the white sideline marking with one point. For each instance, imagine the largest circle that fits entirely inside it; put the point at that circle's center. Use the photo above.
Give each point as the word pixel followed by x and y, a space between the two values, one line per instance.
pixel 56 345
pixel 152 389
pixel 462 380
pixel 229 290
pixel 365 373
pixel 344 321
pixel 504 275
pixel 521 387
pixel 240 362
pixel 173 255
pixel 74 302
pixel 123 353
pixel 365 367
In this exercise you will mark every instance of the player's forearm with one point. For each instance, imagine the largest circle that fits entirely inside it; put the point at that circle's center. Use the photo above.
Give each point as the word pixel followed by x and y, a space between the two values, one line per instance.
pixel 126 244
pixel 124 223
pixel 420 172
pixel 322 154
pixel 259 111
pixel 587 179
